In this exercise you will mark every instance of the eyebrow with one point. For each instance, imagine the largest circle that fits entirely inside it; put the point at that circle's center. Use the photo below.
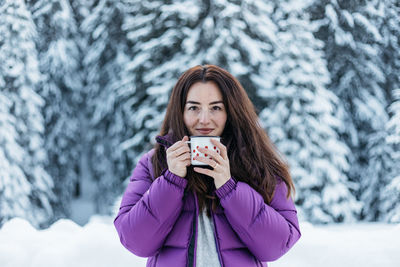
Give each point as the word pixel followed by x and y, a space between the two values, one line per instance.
pixel 198 103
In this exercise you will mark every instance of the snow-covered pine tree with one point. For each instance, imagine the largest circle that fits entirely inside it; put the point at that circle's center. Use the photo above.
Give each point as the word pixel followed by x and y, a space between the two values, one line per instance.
pixel 389 187
pixel 166 38
pixel 350 31
pixel 383 155
pixel 303 117
pixel 391 46
pixel 26 189
pixel 390 196
pixel 59 63
pixel 380 169
pixel 104 123
pixel 389 209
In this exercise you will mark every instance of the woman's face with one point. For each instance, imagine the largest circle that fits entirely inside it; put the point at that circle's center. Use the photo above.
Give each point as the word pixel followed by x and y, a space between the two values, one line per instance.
pixel 204 112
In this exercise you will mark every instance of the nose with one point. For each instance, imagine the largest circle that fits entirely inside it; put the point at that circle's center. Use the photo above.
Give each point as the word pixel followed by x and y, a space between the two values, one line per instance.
pixel 204 117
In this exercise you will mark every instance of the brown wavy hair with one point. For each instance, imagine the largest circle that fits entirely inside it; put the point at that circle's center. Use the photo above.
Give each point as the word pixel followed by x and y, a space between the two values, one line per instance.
pixel 253 158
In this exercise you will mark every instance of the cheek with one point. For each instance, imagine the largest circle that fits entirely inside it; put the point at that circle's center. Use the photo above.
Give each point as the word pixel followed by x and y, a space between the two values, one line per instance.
pixel 222 120
pixel 188 120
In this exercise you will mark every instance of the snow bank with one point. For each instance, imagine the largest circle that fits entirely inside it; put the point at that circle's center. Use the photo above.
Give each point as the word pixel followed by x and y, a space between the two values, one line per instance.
pixel 351 245
pixel 97 244
pixel 64 244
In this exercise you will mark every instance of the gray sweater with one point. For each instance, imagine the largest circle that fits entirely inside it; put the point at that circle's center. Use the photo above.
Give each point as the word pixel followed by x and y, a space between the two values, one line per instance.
pixel 206 251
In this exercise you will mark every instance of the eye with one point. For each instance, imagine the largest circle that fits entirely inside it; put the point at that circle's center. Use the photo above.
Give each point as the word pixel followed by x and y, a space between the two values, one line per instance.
pixel 192 108
pixel 216 108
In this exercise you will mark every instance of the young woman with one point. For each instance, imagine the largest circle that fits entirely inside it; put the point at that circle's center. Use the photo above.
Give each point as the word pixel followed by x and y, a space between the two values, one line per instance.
pixel 236 212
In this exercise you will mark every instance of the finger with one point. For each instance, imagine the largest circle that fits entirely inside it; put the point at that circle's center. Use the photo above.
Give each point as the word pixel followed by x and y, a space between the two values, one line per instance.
pixel 221 147
pixel 179 144
pixel 207 161
pixel 183 157
pixel 204 171
pixel 174 147
pixel 181 150
pixel 217 157
pixel 176 154
pixel 186 162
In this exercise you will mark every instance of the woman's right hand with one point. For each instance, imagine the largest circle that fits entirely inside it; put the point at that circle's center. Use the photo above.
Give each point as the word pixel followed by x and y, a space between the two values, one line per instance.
pixel 178 157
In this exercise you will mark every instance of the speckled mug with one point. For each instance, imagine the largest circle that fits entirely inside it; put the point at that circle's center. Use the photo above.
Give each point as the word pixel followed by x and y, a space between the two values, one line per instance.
pixel 201 141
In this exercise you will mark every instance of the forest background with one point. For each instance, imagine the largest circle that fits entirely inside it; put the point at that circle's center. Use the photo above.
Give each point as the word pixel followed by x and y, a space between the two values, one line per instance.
pixel 84 87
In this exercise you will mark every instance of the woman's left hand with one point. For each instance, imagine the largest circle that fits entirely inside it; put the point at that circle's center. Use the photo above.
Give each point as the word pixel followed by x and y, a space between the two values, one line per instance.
pixel 219 162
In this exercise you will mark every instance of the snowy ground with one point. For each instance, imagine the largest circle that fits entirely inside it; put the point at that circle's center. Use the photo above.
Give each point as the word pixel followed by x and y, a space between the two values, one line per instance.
pixel 96 244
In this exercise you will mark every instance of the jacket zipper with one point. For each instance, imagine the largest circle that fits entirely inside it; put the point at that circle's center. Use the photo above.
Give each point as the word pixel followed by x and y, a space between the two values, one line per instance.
pixel 192 260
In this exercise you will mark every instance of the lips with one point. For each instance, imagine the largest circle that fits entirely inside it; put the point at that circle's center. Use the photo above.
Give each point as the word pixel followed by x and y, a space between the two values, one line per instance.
pixel 205 130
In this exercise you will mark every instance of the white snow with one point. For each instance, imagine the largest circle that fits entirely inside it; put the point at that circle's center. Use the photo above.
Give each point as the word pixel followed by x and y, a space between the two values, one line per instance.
pixel 97 244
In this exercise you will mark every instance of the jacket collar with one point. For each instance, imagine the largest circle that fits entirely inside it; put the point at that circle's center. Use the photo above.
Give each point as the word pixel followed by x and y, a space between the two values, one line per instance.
pixel 165 140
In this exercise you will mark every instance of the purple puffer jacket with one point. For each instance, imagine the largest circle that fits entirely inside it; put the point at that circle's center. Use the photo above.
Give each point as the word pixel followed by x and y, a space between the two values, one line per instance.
pixel 159 220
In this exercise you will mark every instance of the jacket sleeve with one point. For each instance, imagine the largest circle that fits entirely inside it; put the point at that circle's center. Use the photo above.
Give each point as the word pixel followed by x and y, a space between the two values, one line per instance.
pixel 149 209
pixel 268 231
